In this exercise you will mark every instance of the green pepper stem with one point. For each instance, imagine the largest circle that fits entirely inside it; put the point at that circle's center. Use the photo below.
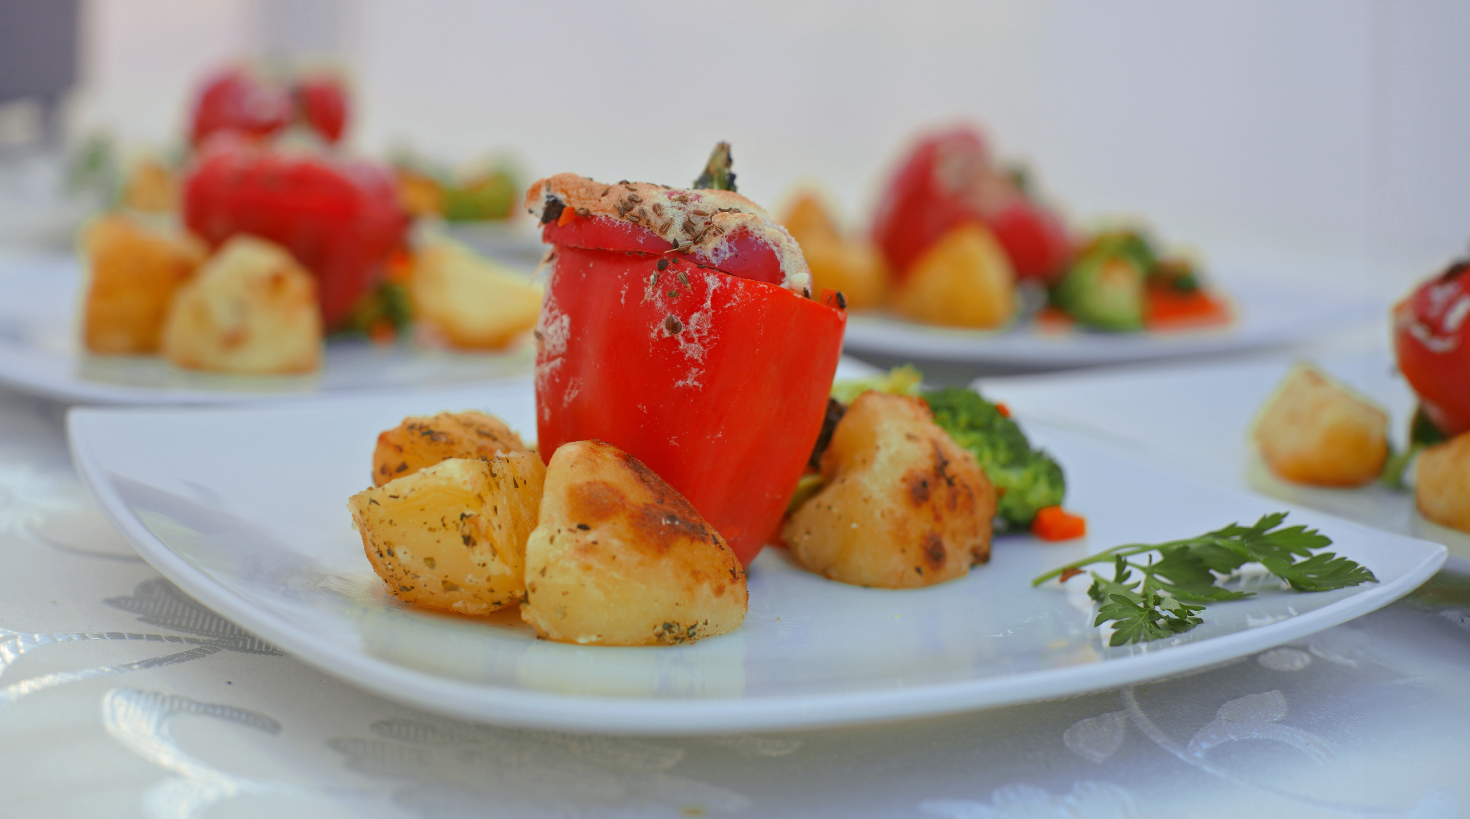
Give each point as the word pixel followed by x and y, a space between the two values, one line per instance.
pixel 717 174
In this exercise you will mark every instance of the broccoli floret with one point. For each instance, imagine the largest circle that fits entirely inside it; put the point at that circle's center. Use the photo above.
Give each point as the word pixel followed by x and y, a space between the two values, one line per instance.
pixel 1132 245
pixel 1025 479
pixel 1104 290
pixel 491 195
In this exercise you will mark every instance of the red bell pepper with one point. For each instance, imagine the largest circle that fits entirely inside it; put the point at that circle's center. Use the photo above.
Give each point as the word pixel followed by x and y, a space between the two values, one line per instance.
pixel 696 363
pixel 1431 336
pixel 341 219
pixel 242 101
pixel 948 179
pixel 321 103
pixel 252 103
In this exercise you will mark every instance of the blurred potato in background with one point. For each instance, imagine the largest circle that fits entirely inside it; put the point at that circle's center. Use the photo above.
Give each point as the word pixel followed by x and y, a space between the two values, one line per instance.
pixel 251 309
pixel 135 271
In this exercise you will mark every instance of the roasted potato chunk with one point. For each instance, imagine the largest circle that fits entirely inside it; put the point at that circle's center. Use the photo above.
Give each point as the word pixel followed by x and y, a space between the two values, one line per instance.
pixel 854 268
pixel 621 558
pixel 251 309
pixel 1315 431
pixel 422 441
pixel 964 280
pixel 473 302
pixel 150 187
pixel 135 273
pixel 452 536
pixel 1442 483
pixel 901 506
pixel 419 193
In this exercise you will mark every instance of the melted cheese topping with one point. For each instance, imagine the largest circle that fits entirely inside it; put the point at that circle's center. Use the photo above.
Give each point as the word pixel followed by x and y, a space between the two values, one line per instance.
pixel 694 221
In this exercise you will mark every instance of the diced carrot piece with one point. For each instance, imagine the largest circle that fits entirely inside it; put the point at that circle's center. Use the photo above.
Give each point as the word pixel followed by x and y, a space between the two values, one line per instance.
pixel 567 215
pixel 1003 409
pixel 1051 319
pixel 400 266
pixel 1168 309
pixel 382 332
pixel 1056 523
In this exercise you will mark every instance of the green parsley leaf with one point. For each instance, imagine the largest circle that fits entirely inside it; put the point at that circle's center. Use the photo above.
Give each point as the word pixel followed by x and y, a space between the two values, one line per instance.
pixel 1151 618
pixel 1188 574
pixel 1323 571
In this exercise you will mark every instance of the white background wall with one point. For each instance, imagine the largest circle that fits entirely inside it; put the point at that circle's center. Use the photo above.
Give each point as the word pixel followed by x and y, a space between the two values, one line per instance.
pixel 1320 140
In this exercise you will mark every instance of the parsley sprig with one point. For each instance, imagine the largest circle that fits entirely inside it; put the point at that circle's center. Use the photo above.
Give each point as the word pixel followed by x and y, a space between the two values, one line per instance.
pixel 1188 575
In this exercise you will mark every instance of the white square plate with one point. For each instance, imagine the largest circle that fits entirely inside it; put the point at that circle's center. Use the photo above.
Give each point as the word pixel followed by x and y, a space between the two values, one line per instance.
pixel 41 353
pixel 245 509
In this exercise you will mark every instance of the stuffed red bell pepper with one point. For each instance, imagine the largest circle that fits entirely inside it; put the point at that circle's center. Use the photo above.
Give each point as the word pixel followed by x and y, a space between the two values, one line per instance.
pixel 1431 334
pixel 679 326
pixel 340 218
pixel 948 180
pixel 241 100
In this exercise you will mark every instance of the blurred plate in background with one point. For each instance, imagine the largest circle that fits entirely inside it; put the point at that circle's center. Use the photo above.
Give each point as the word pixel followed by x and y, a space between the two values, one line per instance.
pixel 1266 316
pixel 41 353
pixel 1198 418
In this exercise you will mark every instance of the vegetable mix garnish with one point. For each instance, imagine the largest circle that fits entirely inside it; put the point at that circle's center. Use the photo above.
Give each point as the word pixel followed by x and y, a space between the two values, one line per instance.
pixel 1180 578
pixel 1026 479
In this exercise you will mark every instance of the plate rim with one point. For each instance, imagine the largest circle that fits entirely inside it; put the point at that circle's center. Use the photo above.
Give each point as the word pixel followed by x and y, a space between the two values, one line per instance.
pixel 654 716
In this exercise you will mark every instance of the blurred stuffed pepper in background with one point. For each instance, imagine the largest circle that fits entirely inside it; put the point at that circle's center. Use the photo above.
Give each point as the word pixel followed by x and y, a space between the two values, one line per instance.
pixel 260 103
pixel 959 232
pixel 1431 338
pixel 339 217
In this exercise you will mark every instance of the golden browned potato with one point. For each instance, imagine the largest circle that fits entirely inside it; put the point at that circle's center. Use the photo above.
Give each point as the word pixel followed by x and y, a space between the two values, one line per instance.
pixel 473 302
pixel 135 273
pixel 902 505
pixel 423 440
pixel 808 217
pixel 1315 431
pixel 854 268
pixel 453 536
pixel 150 187
pixel 1442 483
pixel 964 280
pixel 419 193
pixel 621 558
pixel 251 309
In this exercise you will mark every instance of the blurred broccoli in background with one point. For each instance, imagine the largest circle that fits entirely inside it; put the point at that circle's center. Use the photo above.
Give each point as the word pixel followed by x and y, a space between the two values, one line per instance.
pixel 489 194
pixel 1108 284
pixel 1104 289
pixel 1025 479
